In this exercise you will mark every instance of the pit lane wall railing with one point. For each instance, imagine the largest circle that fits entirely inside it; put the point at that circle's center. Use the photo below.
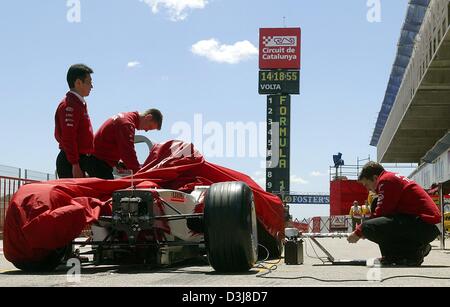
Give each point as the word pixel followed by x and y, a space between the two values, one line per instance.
pixel 22 173
pixel 434 27
pixel 11 179
pixel 344 172
pixel 324 224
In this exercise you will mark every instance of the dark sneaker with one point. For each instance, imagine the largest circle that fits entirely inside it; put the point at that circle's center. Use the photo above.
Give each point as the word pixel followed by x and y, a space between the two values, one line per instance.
pixel 387 260
pixel 417 259
pixel 426 250
pixel 403 262
pixel 414 262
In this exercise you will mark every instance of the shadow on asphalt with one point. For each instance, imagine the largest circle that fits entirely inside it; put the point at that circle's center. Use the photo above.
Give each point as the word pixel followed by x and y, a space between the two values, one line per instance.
pixel 62 271
pixel 186 267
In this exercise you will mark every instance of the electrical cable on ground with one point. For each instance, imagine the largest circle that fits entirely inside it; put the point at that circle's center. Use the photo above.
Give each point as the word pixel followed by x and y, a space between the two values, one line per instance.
pixel 358 280
pixel 315 252
pixel 263 265
pixel 266 265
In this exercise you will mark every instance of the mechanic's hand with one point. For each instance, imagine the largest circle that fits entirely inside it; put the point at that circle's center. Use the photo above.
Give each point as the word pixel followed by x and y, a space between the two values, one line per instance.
pixel 77 172
pixel 353 238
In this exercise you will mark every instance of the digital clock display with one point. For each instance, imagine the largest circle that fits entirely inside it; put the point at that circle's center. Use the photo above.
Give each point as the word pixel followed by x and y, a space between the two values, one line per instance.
pixel 279 82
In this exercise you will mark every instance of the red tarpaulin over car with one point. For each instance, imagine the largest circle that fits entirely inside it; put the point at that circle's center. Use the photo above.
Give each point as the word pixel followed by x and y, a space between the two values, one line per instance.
pixel 49 215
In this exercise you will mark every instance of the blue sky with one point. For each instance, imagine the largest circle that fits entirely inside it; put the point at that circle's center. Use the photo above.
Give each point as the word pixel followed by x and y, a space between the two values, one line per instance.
pixel 143 58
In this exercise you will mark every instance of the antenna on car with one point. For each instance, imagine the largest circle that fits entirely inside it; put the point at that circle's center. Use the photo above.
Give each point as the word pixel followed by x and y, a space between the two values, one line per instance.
pixel 133 188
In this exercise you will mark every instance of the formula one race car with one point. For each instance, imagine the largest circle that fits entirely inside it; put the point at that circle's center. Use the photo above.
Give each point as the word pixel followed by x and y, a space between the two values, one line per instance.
pixel 178 207
pixel 226 231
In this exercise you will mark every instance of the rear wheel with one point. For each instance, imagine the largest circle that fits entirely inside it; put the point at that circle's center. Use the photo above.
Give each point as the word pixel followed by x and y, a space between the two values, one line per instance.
pixel 231 227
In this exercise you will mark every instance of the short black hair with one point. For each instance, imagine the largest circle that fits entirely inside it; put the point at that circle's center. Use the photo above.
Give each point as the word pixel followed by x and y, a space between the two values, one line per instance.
pixel 371 169
pixel 77 71
pixel 157 116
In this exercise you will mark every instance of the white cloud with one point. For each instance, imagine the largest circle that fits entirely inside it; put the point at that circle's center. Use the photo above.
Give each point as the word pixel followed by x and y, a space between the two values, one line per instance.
pixel 316 174
pixel 177 9
pixel 133 64
pixel 298 180
pixel 231 54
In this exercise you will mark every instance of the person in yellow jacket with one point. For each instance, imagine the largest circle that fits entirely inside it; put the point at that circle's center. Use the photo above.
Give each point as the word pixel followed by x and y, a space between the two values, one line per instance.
pixel 356 214
pixel 372 200
pixel 365 211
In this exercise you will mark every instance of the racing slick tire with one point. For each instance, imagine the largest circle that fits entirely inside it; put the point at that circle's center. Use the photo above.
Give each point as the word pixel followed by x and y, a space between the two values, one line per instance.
pixel 231 234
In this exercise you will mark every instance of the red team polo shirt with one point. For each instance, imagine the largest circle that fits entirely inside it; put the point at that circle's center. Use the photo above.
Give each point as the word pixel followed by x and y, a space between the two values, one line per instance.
pixel 399 195
pixel 114 140
pixel 73 129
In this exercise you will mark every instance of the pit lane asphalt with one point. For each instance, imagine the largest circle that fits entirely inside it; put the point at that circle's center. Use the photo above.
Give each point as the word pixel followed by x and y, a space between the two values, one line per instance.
pixel 312 272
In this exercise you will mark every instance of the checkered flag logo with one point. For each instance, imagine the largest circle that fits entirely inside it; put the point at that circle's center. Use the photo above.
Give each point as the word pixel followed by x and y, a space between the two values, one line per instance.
pixel 279 41
pixel 268 40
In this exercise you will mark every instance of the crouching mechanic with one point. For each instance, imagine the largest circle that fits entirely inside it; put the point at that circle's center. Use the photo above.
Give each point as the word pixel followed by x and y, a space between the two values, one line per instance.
pixel 114 141
pixel 403 223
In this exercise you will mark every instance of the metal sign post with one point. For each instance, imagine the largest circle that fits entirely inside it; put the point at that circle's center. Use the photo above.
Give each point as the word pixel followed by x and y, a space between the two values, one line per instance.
pixel 279 77
pixel 442 226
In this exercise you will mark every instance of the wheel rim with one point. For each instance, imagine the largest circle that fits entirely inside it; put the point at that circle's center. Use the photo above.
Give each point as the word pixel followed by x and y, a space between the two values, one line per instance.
pixel 254 230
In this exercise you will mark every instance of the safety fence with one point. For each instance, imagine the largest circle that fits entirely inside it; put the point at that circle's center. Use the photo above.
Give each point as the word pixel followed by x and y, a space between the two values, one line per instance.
pixel 21 173
pixel 344 172
pixel 327 224
pixel 351 172
pixel 323 224
pixel 339 223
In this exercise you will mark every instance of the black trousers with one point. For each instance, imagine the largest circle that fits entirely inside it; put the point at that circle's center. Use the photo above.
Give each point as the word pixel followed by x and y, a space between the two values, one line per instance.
pixel 91 165
pixel 101 169
pixel 399 236
pixel 355 222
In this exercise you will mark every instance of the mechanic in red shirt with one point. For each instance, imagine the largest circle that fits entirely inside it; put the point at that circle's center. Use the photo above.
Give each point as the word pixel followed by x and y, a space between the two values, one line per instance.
pixel 403 223
pixel 73 129
pixel 114 141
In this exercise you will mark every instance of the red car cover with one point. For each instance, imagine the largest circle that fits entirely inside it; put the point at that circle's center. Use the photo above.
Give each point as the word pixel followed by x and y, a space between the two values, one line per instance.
pixel 49 215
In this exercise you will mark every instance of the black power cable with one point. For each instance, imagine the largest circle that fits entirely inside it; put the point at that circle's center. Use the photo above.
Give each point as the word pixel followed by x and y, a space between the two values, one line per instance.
pixel 356 280
pixel 273 268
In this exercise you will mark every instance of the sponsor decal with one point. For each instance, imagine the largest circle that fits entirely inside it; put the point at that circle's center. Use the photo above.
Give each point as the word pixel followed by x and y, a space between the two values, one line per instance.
pixel 177 197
